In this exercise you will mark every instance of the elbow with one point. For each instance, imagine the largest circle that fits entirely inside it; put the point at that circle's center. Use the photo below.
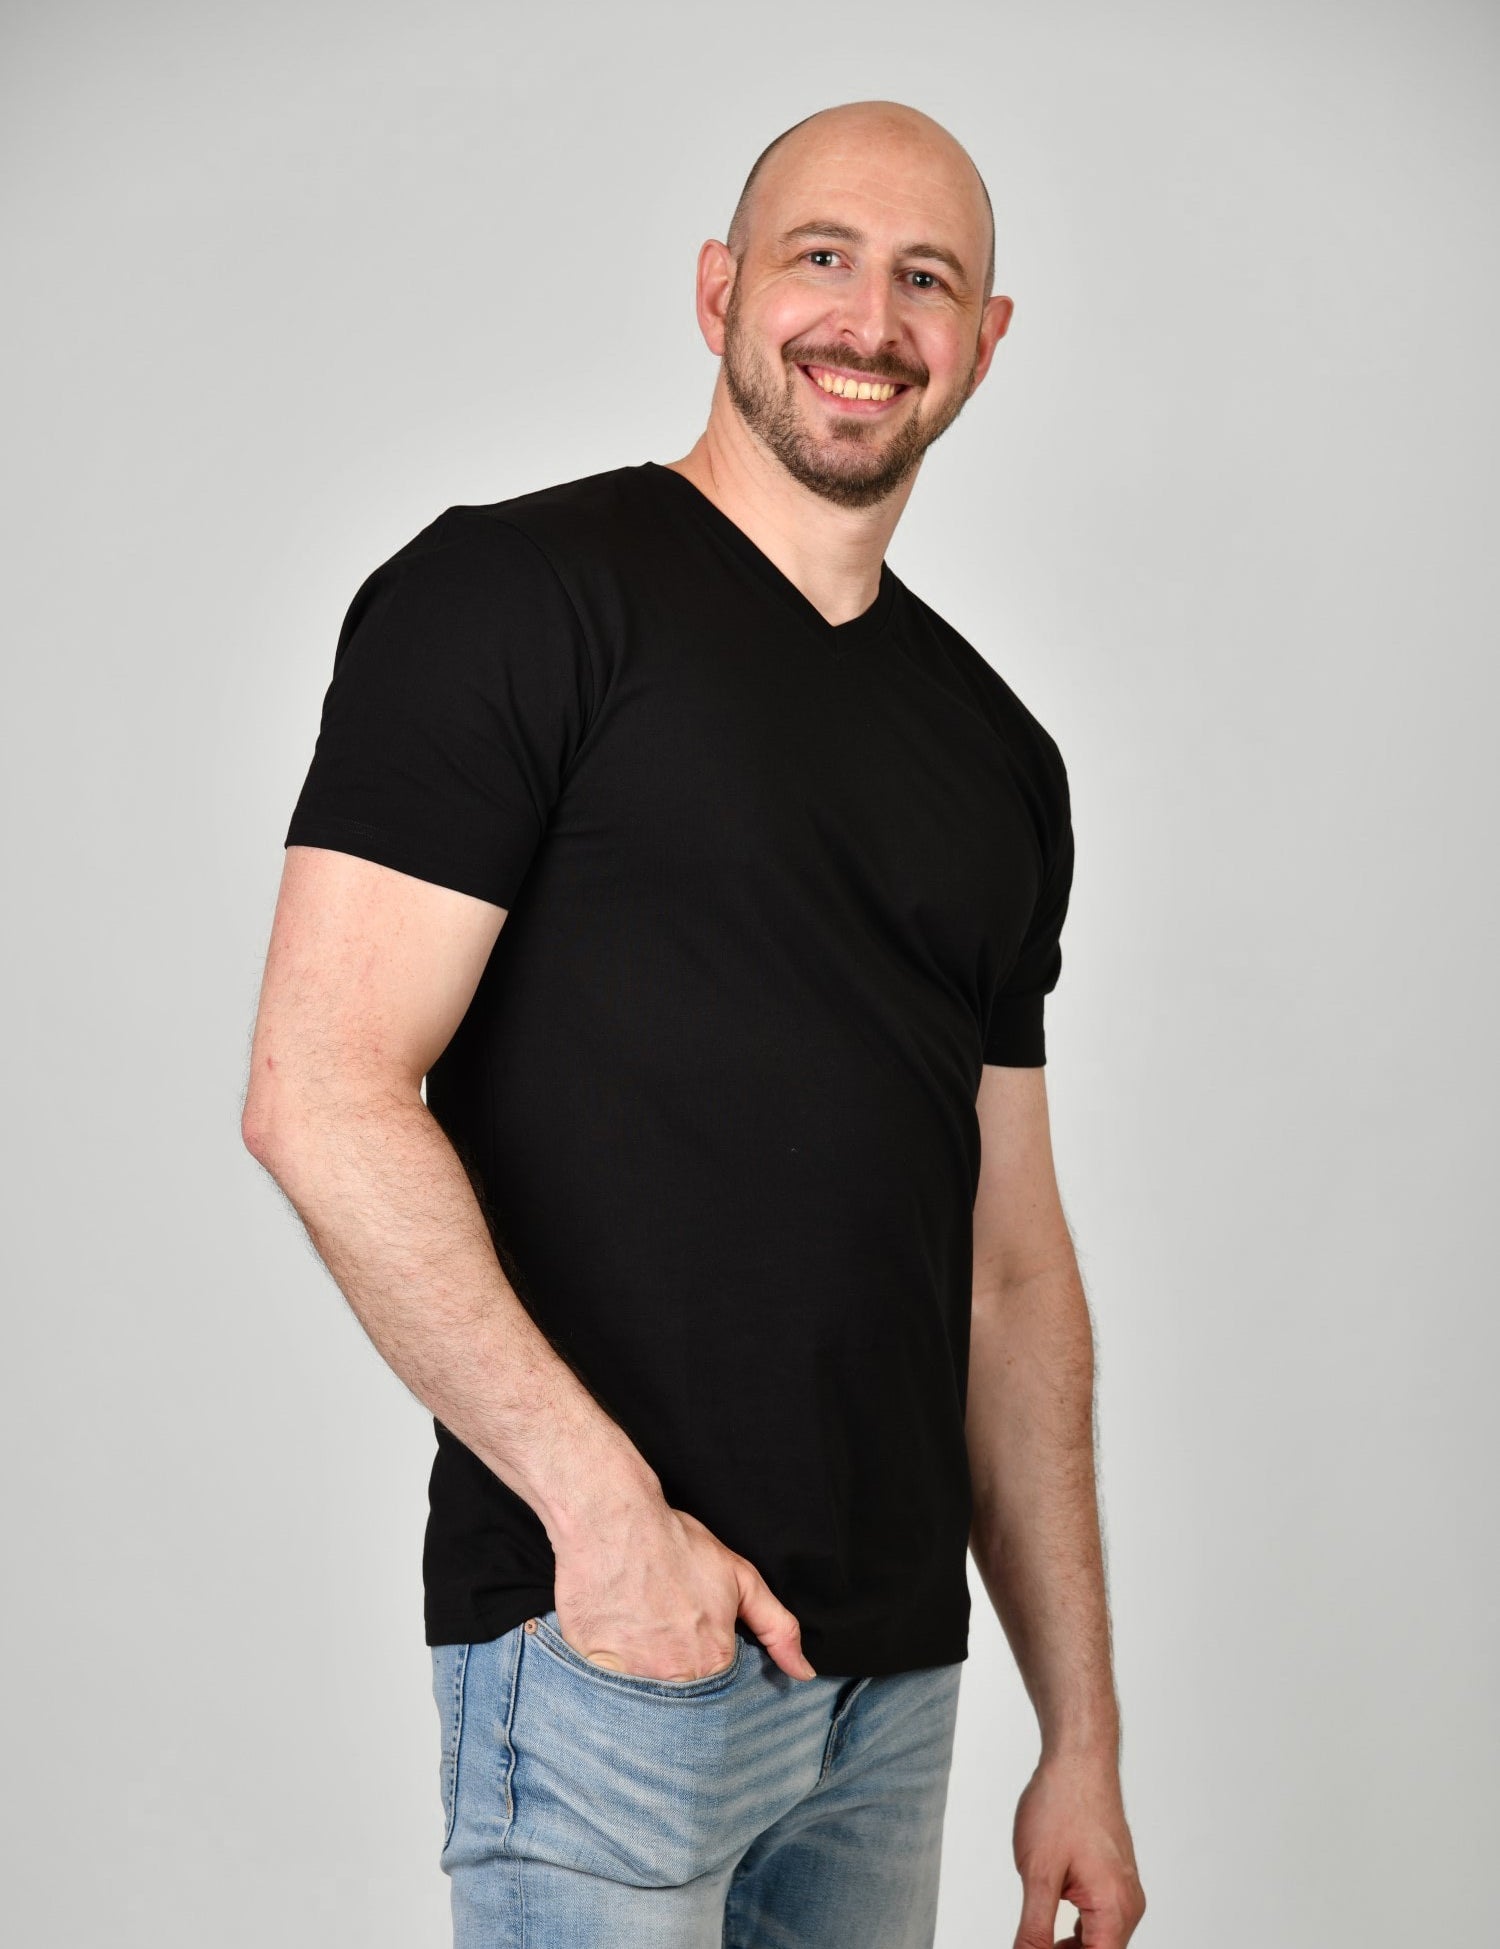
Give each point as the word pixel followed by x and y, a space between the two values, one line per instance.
pixel 285 1141
pixel 289 1118
pixel 259 1131
pixel 271 1119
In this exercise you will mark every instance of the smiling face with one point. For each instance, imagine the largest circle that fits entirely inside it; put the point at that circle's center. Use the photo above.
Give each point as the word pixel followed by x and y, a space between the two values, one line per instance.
pixel 856 325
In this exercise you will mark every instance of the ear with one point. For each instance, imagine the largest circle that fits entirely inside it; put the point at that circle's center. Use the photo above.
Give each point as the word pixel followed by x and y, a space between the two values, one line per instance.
pixel 992 328
pixel 715 282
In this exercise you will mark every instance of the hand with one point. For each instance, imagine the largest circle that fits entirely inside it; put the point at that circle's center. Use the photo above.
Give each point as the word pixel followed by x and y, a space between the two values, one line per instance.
pixel 1072 1844
pixel 656 1594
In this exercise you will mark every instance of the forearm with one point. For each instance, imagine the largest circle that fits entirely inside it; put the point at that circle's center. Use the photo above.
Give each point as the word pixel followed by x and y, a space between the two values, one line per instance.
pixel 1036 1534
pixel 390 1208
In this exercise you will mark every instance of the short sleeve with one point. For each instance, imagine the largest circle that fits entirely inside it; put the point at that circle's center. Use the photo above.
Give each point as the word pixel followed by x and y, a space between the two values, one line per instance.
pixel 1015 1034
pixel 461 690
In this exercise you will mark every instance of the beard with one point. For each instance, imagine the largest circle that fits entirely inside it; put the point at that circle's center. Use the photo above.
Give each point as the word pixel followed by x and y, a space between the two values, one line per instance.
pixel 858 462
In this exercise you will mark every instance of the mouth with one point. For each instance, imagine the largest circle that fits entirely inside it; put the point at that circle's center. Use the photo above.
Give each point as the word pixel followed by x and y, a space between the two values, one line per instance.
pixel 853 392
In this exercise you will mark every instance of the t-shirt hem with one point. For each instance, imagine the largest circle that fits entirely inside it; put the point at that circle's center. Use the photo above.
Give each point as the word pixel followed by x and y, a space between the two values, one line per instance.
pixel 457 1624
pixel 837 1654
pixel 834 1653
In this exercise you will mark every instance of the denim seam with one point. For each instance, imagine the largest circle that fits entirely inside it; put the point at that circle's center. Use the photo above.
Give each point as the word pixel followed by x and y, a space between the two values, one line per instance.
pixel 829 1746
pixel 835 1731
pixel 510 1750
pixel 456 1710
pixel 518 1864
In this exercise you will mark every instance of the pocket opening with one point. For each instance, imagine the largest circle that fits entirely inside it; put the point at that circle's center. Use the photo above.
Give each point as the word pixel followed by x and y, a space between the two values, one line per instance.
pixel 552 1641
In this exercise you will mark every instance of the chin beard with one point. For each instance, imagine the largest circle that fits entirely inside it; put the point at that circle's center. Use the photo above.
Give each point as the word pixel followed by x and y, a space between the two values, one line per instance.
pixel 852 472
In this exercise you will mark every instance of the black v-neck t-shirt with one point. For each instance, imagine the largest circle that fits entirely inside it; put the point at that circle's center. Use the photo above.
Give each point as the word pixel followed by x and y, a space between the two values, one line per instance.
pixel 777 889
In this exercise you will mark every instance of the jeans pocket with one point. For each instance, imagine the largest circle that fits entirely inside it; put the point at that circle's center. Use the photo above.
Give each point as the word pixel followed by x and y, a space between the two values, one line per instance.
pixel 549 1636
pixel 622 1776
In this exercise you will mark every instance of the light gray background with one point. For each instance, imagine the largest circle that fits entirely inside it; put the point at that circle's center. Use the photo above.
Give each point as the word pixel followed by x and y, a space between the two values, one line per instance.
pixel 286 281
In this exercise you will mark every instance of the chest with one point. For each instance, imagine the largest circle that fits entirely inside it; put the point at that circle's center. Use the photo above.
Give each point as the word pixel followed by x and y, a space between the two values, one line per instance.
pixel 859 800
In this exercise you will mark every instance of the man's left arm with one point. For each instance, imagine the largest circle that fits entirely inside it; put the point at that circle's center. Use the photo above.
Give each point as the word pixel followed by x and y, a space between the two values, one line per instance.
pixel 1036 1535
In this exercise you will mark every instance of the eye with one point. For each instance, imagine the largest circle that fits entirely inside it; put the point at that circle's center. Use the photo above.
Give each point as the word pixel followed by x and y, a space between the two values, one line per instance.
pixel 934 283
pixel 822 253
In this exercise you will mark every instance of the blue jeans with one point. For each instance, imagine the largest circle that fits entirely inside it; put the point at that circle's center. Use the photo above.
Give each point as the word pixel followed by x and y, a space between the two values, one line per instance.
pixel 591 1809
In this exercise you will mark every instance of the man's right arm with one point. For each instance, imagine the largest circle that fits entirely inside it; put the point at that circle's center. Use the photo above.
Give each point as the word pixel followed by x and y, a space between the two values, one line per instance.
pixel 368 974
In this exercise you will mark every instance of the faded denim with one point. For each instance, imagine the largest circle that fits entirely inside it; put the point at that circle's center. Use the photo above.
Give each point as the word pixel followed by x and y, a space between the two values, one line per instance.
pixel 591 1809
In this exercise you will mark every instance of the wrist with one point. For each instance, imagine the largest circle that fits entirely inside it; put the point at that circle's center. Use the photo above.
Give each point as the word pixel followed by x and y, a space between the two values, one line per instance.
pixel 599 1492
pixel 1083 1746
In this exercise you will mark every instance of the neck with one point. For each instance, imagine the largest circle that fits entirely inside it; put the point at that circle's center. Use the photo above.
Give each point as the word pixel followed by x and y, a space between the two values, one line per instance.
pixel 832 553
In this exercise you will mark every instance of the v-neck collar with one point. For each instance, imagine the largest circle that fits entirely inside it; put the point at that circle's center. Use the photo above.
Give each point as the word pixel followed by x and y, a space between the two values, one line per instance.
pixel 839 637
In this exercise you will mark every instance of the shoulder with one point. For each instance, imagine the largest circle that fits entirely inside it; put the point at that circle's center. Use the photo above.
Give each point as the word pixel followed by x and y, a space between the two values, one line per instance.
pixel 554 554
pixel 572 525
pixel 483 590
pixel 543 536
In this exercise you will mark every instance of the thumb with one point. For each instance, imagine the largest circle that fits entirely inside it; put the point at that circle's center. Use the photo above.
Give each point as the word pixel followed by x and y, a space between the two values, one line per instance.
pixel 771 1621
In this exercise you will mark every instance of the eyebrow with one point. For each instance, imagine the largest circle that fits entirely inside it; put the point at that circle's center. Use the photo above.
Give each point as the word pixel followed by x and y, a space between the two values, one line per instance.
pixel 847 234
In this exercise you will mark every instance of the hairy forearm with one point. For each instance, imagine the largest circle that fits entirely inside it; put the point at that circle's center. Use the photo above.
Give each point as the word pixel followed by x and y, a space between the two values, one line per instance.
pixel 1036 1534
pixel 393 1215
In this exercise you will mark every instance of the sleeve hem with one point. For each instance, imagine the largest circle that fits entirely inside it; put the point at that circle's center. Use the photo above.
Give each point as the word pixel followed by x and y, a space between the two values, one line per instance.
pixel 1015 1037
pixel 402 855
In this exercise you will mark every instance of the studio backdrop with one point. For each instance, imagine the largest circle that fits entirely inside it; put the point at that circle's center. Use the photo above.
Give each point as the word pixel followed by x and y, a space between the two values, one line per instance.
pixel 283 283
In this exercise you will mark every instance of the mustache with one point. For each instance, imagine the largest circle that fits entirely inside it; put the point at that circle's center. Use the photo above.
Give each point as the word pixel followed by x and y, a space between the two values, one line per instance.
pixel 843 361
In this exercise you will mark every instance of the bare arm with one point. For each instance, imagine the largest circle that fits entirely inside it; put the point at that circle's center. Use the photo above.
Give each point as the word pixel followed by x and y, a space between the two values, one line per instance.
pixel 1035 1535
pixel 368 974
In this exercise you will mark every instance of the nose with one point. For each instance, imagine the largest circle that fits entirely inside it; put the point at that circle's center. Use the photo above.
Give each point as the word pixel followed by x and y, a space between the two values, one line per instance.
pixel 866 318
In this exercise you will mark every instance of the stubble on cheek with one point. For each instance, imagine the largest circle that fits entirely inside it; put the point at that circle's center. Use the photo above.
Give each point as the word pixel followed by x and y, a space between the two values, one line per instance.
pixel 861 465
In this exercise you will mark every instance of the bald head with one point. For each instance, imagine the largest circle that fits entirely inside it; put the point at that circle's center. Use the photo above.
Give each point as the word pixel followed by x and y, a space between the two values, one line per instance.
pixel 880 127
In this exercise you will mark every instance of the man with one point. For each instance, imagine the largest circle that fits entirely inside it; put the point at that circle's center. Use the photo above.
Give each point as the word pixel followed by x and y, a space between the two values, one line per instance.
pixel 726 1248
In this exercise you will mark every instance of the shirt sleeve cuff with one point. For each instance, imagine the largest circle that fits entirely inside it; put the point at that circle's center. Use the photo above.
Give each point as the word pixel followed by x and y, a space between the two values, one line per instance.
pixel 1015 1037
pixel 422 860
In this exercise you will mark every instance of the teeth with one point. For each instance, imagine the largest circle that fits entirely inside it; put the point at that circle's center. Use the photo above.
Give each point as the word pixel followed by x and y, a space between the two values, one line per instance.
pixel 832 382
